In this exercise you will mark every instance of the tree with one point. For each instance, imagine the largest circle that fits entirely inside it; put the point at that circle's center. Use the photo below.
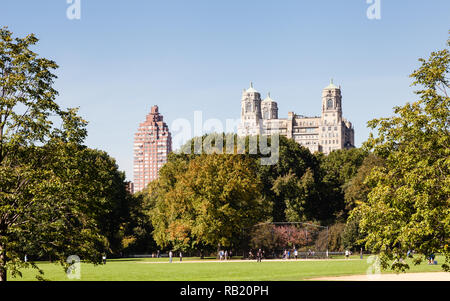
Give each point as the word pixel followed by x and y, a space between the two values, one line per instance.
pixel 299 195
pixel 105 185
pixel 409 206
pixel 331 238
pixel 211 203
pixel 46 206
pixel 351 235
pixel 356 190
pixel 336 169
pixel 136 231
pixel 290 185
pixel 296 168
pixel 276 237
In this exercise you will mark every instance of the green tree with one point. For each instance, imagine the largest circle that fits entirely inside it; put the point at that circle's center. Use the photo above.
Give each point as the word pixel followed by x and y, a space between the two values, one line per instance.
pixel 299 195
pixel 296 168
pixel 356 190
pixel 136 230
pixel 290 185
pixel 105 185
pixel 211 203
pixel 352 235
pixel 409 207
pixel 45 204
pixel 336 169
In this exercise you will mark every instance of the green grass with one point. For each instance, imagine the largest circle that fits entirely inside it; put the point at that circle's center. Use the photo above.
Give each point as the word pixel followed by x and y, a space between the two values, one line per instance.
pixel 132 269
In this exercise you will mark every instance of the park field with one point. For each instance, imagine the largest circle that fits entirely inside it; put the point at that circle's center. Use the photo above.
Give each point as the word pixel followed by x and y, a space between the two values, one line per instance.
pixel 194 269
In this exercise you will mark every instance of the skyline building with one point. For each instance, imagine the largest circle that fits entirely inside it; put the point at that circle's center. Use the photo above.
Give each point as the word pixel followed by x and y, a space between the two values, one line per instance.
pixel 324 133
pixel 152 144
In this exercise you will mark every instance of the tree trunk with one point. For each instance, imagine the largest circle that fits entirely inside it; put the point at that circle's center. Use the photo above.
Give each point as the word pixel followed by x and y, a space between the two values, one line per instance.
pixel 2 263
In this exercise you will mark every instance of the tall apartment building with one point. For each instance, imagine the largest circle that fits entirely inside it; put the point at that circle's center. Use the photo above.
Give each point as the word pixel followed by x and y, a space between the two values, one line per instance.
pixel 324 133
pixel 152 144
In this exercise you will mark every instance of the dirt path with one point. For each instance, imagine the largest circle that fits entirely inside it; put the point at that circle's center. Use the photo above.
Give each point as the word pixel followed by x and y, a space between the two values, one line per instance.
pixel 431 276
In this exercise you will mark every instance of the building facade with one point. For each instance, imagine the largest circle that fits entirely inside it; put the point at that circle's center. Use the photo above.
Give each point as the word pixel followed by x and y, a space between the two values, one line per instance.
pixel 152 144
pixel 129 187
pixel 324 133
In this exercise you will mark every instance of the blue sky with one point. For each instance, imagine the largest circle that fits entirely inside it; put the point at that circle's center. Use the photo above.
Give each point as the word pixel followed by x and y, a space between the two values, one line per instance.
pixel 122 57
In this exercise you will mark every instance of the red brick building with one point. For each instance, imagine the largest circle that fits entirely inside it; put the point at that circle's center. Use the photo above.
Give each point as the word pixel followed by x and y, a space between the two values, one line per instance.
pixel 152 144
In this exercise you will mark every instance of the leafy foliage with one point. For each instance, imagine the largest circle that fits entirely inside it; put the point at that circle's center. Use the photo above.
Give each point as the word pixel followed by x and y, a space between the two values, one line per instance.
pixel 57 198
pixel 211 203
pixel 336 170
pixel 409 207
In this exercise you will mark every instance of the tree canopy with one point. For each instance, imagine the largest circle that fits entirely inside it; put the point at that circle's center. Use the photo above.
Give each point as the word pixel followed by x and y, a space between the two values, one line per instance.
pixel 211 203
pixel 56 195
pixel 409 206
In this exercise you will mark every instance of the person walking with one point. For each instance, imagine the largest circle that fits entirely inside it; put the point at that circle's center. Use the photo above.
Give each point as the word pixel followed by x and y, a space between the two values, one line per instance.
pixel 258 255
pixel 181 256
pixel 296 254
pixel 347 254
pixel 170 256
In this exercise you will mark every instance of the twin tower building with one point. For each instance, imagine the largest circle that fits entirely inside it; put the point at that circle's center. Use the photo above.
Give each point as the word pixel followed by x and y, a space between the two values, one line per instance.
pixel 325 133
pixel 330 131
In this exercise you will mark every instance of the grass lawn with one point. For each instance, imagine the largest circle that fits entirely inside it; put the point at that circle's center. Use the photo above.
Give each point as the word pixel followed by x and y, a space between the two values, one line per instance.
pixel 153 269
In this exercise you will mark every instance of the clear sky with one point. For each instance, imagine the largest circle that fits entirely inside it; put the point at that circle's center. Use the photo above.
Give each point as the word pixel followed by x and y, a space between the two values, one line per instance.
pixel 122 57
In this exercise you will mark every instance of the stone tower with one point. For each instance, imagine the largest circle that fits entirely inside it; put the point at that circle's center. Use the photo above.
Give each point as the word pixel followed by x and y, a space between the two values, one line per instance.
pixel 250 112
pixel 331 104
pixel 269 108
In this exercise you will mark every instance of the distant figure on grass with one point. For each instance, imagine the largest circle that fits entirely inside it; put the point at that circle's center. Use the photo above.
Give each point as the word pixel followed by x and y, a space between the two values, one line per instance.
pixel 347 254
pixel 181 256
pixel 296 254
pixel 226 254
pixel 104 258
pixel 258 255
pixel 170 256
pixel 220 255
pixel 408 253
pixel 431 259
pixel 285 254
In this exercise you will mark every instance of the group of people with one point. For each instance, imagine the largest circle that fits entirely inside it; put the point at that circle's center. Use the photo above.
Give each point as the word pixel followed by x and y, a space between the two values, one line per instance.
pixel 287 254
pixel 225 255
pixel 171 256
pixel 259 255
